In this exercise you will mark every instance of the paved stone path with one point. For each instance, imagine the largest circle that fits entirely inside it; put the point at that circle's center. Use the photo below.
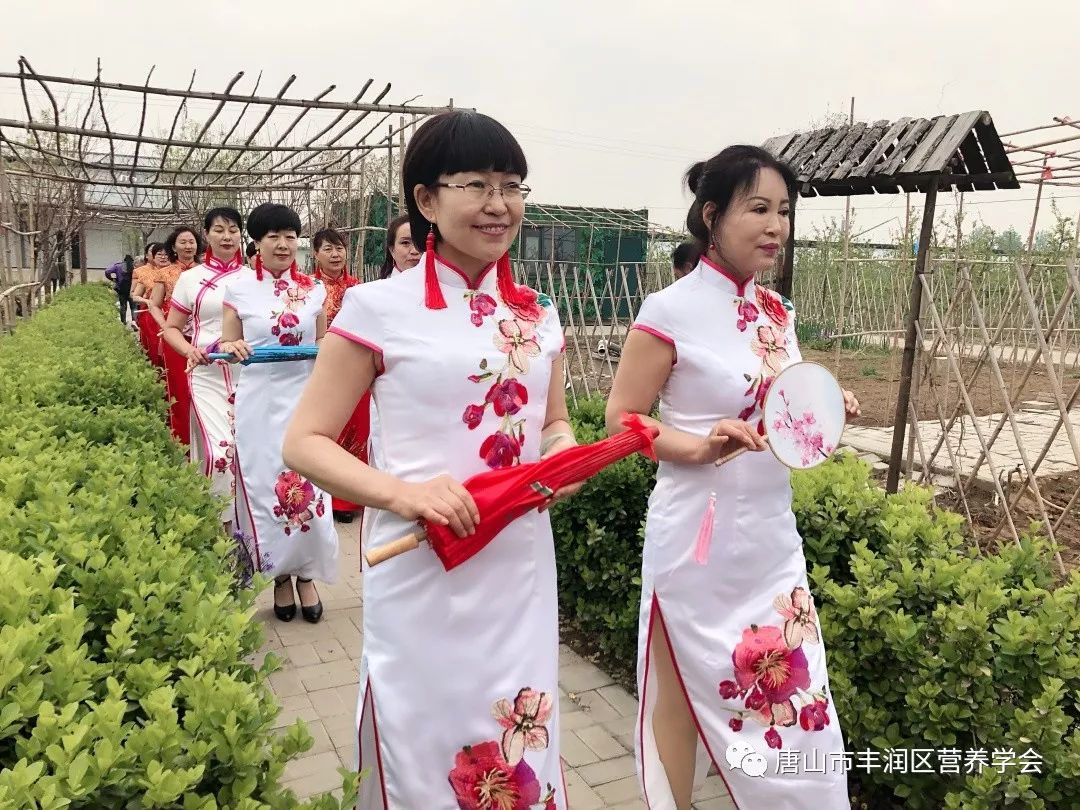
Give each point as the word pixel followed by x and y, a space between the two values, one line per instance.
pixel 1035 424
pixel 320 679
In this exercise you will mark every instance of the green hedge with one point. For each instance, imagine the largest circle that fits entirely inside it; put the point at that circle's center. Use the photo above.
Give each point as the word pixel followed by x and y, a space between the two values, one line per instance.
pixel 123 643
pixel 930 645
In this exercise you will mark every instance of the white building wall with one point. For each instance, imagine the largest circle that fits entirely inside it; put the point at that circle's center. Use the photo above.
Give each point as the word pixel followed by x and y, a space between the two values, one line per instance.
pixel 105 245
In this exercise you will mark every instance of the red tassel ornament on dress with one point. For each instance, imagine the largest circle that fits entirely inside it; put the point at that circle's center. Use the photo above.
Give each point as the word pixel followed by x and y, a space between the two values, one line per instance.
pixel 433 297
pixel 512 293
pixel 294 270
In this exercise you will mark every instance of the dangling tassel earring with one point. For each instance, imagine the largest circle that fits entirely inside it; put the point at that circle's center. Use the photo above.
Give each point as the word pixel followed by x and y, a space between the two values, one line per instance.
pixel 433 297
pixel 294 272
pixel 258 267
pixel 705 531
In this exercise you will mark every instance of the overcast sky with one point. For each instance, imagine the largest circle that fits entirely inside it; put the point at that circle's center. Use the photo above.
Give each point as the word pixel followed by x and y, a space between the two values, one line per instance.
pixel 612 100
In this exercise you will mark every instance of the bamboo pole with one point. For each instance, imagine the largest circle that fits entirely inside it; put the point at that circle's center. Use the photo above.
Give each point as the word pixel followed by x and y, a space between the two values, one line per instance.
pixel 389 179
pixel 955 367
pixel 240 97
pixel 401 163
pixel 1006 309
pixel 5 216
pixel 910 338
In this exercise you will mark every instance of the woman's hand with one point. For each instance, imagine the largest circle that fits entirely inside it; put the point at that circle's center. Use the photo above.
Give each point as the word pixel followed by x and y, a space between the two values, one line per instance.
pixel 851 404
pixel 563 443
pixel 727 436
pixel 239 349
pixel 442 501
pixel 196 357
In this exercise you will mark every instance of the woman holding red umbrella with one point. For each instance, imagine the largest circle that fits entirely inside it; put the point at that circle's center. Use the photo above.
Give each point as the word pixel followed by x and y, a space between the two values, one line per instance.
pixel 466 369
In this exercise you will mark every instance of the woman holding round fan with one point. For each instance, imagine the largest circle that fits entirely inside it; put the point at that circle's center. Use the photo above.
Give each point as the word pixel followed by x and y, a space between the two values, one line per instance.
pixel 195 309
pixel 282 521
pixel 466 368
pixel 729 648
pixel 330 269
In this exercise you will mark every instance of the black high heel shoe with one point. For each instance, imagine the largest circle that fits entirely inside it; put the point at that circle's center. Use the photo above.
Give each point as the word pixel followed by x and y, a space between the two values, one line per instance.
pixel 311 613
pixel 284 612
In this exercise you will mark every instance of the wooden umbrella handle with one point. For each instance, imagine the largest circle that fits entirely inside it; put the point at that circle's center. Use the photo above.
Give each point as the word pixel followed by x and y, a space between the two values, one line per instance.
pixel 400 546
pixel 725 459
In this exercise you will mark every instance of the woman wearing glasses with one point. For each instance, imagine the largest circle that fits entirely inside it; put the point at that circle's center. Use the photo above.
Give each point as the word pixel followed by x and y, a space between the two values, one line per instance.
pixel 458 694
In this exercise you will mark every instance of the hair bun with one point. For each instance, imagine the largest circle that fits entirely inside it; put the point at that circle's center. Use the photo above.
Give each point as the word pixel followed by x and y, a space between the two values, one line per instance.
pixel 693 176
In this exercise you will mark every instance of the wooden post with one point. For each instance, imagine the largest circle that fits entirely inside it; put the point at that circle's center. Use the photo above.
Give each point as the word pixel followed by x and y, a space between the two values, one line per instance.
pixel 401 164
pixel 389 175
pixel 787 272
pixel 7 276
pixel 82 234
pixel 846 266
pixel 32 221
pixel 917 373
pixel 362 218
pixel 911 338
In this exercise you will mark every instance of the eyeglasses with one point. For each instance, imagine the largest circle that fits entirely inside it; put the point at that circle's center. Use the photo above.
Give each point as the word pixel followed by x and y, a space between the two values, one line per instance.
pixel 481 191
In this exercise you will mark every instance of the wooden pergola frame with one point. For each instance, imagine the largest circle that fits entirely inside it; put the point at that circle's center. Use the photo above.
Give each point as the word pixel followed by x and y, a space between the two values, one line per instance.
pixel 248 148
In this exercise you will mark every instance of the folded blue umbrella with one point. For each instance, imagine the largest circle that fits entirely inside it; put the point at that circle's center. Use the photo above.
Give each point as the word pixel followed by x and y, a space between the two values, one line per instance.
pixel 272 354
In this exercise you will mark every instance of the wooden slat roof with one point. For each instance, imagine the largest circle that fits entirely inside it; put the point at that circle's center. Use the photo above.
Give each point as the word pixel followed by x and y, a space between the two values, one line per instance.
pixel 962 151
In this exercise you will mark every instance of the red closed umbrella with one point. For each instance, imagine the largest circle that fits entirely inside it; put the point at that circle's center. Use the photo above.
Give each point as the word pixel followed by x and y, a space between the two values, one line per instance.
pixel 506 494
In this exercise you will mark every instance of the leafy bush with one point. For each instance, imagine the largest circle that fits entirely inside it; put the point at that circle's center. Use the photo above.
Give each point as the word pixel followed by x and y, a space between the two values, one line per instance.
pixel 123 679
pixel 598 536
pixel 930 645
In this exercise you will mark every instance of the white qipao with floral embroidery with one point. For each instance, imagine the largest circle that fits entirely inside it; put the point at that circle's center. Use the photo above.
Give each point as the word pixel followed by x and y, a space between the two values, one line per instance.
pixel 199 293
pixel 742 626
pixel 458 698
pixel 283 520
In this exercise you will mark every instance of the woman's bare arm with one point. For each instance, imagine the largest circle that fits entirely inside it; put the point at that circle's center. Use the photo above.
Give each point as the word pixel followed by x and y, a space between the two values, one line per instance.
pixel 644 368
pixel 344 371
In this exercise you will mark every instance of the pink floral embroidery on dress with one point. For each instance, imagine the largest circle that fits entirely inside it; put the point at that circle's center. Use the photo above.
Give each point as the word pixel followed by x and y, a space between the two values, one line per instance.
pixel 518 340
pixel 769 343
pixel 494 775
pixel 480 305
pixel 771 347
pixel 748 313
pixel 297 502
pixel 226 462
pixel 772 675
pixel 524 722
pixel 773 306
pixel 286 320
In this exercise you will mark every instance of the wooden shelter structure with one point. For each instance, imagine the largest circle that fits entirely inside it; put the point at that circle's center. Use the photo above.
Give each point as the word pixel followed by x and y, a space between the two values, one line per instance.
pixel 956 152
